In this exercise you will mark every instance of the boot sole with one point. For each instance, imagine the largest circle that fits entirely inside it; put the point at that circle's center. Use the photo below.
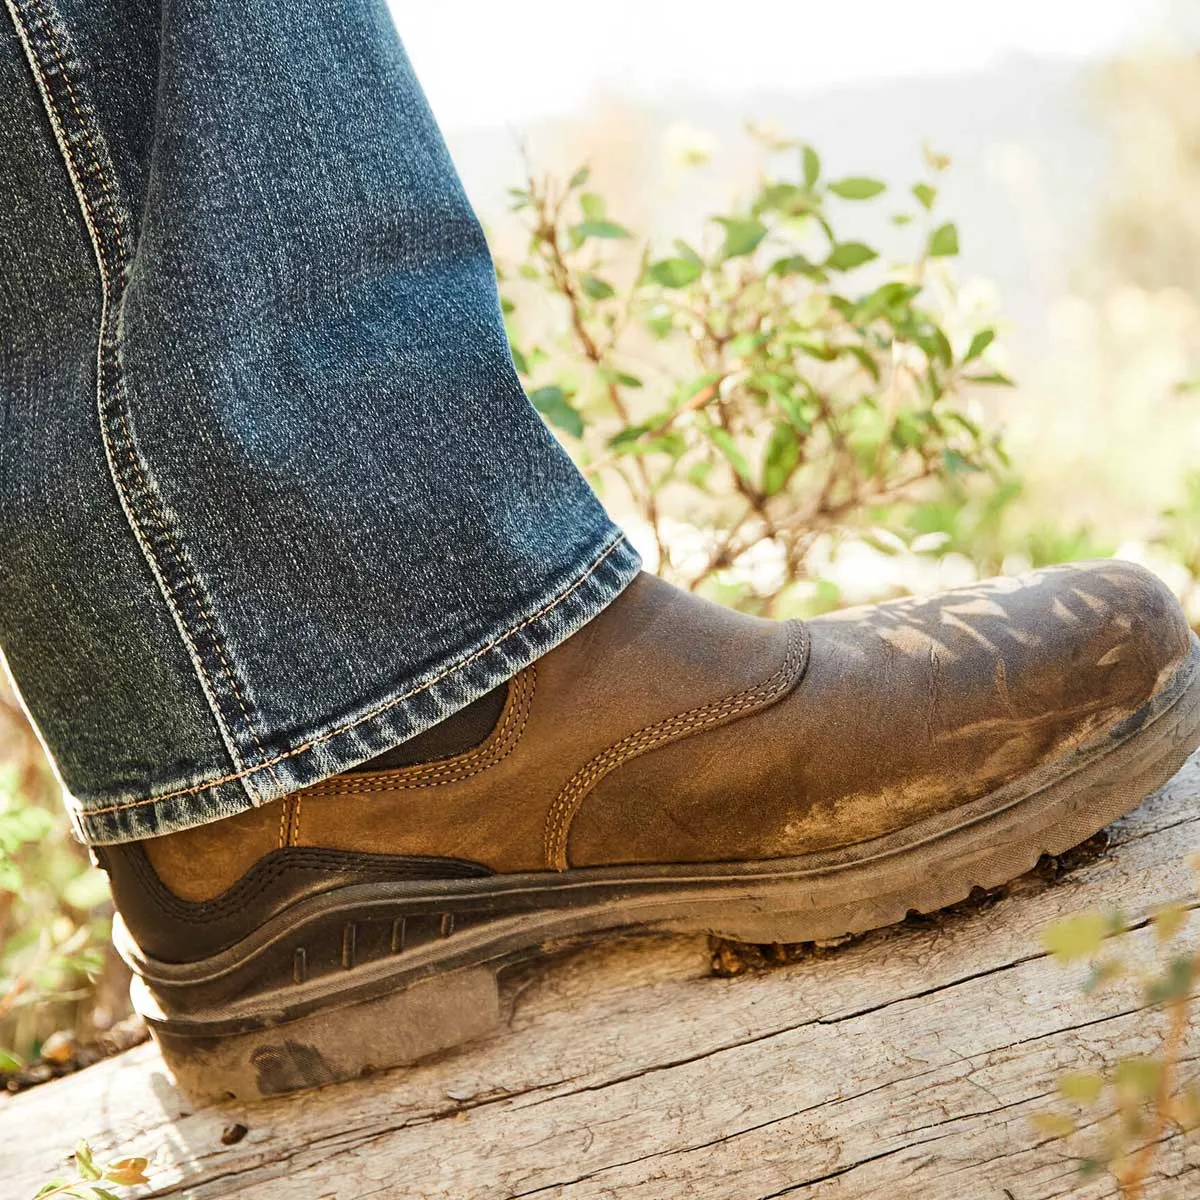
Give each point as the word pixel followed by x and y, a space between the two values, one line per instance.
pixel 379 975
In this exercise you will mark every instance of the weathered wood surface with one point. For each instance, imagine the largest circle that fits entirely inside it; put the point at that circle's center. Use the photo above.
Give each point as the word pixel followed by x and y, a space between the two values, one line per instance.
pixel 906 1065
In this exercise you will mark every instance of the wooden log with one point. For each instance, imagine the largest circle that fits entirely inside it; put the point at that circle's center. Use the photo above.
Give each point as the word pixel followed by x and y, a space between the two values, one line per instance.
pixel 905 1064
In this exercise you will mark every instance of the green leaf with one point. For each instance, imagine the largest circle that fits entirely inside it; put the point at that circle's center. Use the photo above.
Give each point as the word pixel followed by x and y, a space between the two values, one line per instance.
pixel 797 264
pixel 553 404
pixel 595 287
pixel 845 256
pixel 926 194
pixel 943 241
pixel 626 436
pixel 1077 937
pixel 592 206
pixel 936 345
pixel 744 344
pixel 782 455
pixel 865 360
pixel 598 229
pixel 890 295
pixel 85 1163
pixel 811 161
pixel 992 377
pixel 742 235
pixel 796 411
pixel 857 187
pixel 787 198
pixel 907 432
pixel 816 349
pixel 1169 920
pixel 1082 1087
pixel 660 320
pixel 1138 1077
pixel 732 455
pixel 979 343
pixel 1053 1124
pixel 579 178
pixel 674 272
pixel 1175 983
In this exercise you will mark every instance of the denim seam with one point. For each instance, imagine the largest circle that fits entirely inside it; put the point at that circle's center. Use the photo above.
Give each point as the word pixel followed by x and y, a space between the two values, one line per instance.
pixel 109 347
pixel 378 709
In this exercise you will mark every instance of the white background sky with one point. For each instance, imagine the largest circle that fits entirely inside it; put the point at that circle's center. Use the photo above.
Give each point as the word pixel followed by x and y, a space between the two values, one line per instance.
pixel 489 62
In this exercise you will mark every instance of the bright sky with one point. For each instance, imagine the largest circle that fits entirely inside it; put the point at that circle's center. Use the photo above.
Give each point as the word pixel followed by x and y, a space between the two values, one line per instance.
pixel 489 62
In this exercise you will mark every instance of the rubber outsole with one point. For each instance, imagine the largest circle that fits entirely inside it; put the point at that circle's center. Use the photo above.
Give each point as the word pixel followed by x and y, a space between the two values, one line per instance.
pixel 379 975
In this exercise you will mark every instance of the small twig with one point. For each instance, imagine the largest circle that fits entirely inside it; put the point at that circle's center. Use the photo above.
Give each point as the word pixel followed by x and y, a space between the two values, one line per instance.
pixel 699 400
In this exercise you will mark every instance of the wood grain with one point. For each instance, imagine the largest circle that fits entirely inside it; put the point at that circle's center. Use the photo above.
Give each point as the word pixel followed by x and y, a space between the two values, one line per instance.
pixel 906 1064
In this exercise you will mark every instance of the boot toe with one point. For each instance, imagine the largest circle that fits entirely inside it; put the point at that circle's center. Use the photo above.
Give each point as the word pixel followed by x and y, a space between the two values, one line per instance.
pixel 945 699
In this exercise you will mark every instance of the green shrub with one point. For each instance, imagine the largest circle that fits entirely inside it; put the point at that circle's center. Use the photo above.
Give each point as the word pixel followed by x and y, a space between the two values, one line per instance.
pixel 775 383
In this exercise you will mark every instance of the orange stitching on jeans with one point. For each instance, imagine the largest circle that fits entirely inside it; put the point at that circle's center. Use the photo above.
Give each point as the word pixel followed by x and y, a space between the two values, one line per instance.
pixel 87 813
pixel 108 298
pixel 575 790
pixel 48 35
pixel 499 744
pixel 201 606
pixel 106 285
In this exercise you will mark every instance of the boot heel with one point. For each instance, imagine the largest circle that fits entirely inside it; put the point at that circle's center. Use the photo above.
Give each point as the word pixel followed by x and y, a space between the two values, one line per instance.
pixel 329 1044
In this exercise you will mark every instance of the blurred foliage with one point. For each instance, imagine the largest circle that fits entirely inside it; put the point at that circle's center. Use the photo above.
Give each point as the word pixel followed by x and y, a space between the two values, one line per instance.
pixel 1179 531
pixel 94 1180
pixel 1114 1117
pixel 54 907
pixel 1149 228
pixel 744 399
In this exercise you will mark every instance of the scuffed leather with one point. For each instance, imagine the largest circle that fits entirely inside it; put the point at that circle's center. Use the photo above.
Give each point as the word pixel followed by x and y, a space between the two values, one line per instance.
pixel 908 709
pixel 888 715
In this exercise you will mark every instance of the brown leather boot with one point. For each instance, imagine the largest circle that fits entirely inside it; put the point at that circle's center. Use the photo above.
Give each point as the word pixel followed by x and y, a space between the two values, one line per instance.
pixel 672 766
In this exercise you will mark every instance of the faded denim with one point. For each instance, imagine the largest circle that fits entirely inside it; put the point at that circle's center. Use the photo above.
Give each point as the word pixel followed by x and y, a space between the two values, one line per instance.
pixel 271 497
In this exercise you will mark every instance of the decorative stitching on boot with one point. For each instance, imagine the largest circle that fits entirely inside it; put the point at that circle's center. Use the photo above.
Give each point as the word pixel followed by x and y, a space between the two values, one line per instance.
pixel 496 747
pixel 574 792
pixel 88 813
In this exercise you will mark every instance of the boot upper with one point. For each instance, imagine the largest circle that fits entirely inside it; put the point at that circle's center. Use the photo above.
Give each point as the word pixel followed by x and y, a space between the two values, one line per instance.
pixel 673 730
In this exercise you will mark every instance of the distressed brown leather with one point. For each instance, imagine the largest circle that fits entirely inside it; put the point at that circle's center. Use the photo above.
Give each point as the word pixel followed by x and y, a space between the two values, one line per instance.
pixel 672 730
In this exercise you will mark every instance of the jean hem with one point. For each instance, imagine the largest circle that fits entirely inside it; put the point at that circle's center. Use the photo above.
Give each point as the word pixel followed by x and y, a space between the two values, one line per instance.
pixel 351 738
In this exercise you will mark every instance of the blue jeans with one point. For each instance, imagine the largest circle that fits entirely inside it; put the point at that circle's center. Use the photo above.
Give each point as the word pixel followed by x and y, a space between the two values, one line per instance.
pixel 271 497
